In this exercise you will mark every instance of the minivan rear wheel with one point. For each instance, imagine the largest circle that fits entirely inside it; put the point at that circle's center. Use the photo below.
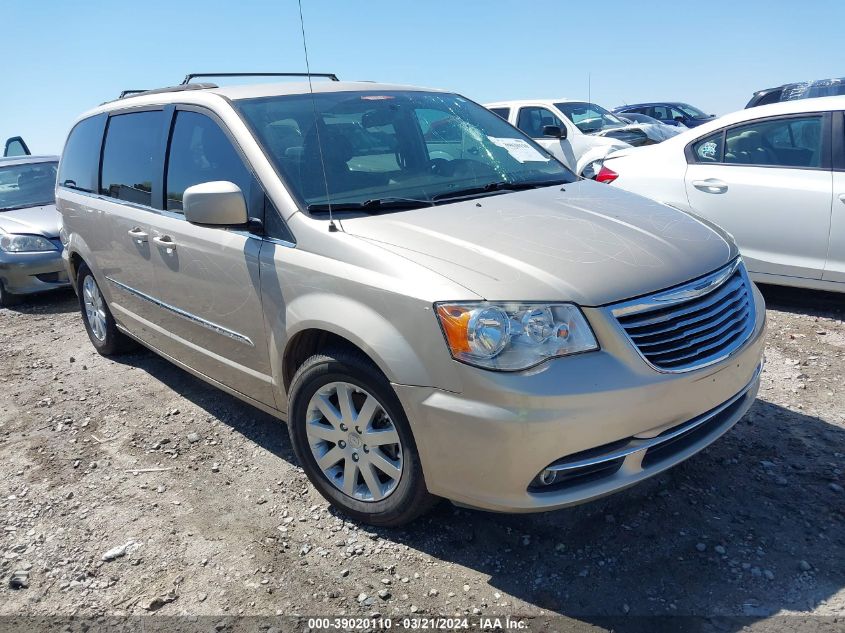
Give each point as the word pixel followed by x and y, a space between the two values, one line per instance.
pixel 353 440
pixel 99 322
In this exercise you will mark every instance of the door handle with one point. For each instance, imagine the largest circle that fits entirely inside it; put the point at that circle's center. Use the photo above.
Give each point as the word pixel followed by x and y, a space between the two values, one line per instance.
pixel 842 197
pixel 137 234
pixel 165 241
pixel 711 185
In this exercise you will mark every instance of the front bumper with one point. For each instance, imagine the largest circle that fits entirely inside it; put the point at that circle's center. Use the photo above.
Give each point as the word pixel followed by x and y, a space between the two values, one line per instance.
pixel 483 447
pixel 25 273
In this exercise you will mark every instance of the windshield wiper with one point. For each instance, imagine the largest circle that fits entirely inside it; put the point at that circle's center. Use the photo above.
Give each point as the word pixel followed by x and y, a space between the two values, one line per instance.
pixel 373 205
pixel 494 187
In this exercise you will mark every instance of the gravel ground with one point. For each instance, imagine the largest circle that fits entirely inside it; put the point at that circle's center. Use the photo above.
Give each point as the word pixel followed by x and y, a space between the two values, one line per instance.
pixel 128 487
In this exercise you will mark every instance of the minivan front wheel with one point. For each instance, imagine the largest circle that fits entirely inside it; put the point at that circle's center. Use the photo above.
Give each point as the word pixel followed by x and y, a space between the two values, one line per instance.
pixel 99 322
pixel 353 440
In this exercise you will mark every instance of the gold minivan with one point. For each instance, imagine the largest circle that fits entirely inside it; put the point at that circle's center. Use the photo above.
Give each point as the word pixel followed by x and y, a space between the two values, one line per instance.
pixel 436 306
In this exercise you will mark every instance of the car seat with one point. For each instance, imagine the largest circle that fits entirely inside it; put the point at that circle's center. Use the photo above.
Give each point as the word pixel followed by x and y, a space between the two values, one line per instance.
pixel 336 153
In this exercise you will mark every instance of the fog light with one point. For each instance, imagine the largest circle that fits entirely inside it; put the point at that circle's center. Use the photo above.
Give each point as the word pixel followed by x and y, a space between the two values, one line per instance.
pixel 547 477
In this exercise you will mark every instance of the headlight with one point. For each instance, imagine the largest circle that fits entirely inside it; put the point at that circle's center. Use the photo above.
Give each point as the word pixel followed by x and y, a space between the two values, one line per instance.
pixel 25 244
pixel 513 336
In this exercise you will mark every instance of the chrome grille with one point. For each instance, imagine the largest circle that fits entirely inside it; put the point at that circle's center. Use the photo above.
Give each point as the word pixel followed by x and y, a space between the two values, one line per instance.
pixel 693 325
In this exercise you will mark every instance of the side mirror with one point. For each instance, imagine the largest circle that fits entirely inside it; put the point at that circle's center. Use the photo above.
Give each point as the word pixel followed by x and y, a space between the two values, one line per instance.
pixel 217 203
pixel 679 119
pixel 555 131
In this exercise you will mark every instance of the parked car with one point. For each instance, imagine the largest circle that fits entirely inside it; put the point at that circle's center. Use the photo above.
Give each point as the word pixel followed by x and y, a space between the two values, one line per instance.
pixel 669 112
pixel 435 315
pixel 577 133
pixel 656 130
pixel 772 176
pixel 30 249
pixel 798 90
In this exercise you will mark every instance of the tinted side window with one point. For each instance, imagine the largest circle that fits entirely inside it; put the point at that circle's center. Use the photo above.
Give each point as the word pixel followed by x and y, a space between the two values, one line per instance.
pixel 791 142
pixel 81 156
pixel 708 149
pixel 201 152
pixel 661 112
pixel 533 119
pixel 130 156
pixel 502 112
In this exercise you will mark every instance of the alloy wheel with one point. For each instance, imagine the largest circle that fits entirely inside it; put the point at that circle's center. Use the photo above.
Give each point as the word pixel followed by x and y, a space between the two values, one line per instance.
pixel 354 442
pixel 95 308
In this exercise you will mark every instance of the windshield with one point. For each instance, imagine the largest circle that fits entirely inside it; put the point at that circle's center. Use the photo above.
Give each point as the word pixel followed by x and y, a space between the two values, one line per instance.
pixel 691 111
pixel 394 148
pixel 27 185
pixel 589 117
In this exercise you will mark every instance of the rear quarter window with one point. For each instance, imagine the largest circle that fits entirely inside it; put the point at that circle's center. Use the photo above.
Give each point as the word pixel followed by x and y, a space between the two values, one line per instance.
pixel 81 156
pixel 709 149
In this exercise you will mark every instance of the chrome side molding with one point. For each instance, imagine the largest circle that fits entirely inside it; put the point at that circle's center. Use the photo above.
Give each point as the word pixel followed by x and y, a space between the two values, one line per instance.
pixel 188 316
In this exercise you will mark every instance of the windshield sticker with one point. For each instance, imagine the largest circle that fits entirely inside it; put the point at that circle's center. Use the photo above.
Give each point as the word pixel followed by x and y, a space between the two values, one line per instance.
pixel 520 149
pixel 708 150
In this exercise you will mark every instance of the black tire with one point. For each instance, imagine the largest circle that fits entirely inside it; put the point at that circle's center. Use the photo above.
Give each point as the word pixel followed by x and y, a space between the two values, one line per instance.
pixel 410 498
pixel 115 341
pixel 7 298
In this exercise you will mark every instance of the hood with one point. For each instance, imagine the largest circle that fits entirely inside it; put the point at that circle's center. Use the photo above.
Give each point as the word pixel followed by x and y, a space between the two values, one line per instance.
pixel 590 244
pixel 596 140
pixel 44 220
pixel 656 132
pixel 634 134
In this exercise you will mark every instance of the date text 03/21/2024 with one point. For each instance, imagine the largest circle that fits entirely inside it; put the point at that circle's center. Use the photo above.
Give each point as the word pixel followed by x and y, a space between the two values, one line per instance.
pixel 418 623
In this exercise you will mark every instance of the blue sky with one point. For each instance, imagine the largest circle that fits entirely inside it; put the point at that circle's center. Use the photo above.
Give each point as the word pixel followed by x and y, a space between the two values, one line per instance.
pixel 63 57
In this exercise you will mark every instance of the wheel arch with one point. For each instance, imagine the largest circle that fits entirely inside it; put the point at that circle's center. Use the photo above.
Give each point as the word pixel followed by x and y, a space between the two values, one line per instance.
pixel 401 351
pixel 311 341
pixel 74 261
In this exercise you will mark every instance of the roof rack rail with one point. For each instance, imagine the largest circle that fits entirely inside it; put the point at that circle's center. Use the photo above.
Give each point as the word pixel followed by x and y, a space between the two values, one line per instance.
pixel 188 78
pixel 179 88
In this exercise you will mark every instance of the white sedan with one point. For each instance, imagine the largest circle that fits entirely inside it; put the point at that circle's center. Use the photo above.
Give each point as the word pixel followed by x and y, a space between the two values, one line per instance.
pixel 773 176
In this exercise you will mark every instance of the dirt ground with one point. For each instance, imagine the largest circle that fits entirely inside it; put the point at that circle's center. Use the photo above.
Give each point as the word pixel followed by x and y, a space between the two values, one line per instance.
pixel 197 501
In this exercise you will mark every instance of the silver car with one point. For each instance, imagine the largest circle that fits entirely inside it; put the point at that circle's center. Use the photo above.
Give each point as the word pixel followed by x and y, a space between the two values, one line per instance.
pixel 435 305
pixel 30 249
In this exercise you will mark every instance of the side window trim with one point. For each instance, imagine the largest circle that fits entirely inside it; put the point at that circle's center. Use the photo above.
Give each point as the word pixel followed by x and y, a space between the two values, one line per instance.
pixel 257 198
pixel 824 165
pixel 155 190
pixel 253 197
pixel 838 140
pixel 101 120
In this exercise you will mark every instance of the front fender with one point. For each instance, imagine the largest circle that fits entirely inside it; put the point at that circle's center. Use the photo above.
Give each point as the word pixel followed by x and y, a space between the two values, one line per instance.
pixel 408 348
